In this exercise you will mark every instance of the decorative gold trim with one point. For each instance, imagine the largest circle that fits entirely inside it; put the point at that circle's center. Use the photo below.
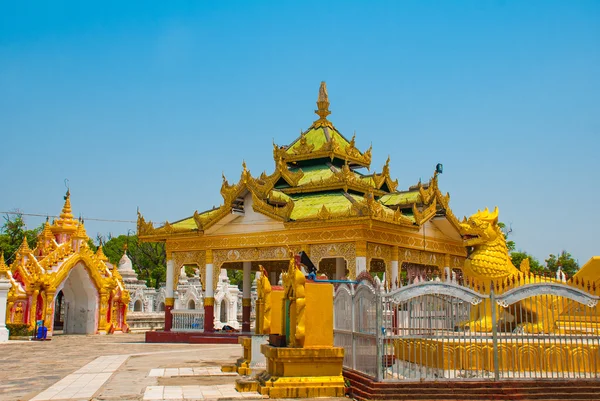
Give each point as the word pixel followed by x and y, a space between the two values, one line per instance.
pixel 209 301
pixel 246 302
pixel 346 250
pixel 311 233
pixel 361 248
pixel 169 301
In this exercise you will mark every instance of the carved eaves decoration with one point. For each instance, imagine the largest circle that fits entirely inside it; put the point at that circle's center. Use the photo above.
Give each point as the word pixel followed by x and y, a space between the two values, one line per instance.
pixel 431 195
pixel 346 250
pixel 330 149
pixel 342 178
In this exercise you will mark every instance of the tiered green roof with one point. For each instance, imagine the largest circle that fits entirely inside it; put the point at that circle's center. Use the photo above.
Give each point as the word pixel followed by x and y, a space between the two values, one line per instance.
pixel 318 177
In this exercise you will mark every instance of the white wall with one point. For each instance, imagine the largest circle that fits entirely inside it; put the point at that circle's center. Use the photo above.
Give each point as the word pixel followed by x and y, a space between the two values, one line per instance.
pixel 81 302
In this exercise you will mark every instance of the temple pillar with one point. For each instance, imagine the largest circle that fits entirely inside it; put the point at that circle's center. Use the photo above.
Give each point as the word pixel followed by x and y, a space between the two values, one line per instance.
pixel 395 281
pixel 49 312
pixel 209 294
pixel 246 298
pixel 361 257
pixel 4 287
pixel 170 292
pixel 340 268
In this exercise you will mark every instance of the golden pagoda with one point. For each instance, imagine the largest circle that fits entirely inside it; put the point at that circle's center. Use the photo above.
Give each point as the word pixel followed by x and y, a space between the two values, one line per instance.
pixel 322 199
pixel 62 270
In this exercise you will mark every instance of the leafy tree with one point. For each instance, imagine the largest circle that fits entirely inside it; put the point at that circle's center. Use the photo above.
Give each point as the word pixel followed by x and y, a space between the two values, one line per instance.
pixel 507 231
pixel 568 265
pixel 149 259
pixel 12 233
pixel 518 256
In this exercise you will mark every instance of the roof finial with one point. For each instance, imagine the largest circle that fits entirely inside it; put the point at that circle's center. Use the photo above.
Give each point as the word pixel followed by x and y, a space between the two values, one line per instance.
pixel 323 106
pixel 3 267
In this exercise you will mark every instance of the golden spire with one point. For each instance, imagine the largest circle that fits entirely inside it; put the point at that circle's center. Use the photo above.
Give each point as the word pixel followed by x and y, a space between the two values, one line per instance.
pixel 47 233
pixel 386 167
pixel 100 254
pixel 323 108
pixel 80 233
pixel 66 213
pixel 24 248
pixel 3 267
pixel 66 222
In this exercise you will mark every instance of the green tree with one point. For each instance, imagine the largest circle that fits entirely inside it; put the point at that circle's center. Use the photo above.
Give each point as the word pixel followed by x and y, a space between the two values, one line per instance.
pixel 568 265
pixel 149 259
pixel 12 233
pixel 507 231
pixel 534 265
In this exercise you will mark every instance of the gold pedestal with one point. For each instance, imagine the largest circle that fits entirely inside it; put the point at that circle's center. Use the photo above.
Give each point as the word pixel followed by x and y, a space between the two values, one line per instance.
pixel 302 372
pixel 243 364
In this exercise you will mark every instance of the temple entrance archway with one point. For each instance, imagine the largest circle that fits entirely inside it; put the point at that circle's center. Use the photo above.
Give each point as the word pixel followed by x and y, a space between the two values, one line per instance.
pixel 59 311
pixel 80 302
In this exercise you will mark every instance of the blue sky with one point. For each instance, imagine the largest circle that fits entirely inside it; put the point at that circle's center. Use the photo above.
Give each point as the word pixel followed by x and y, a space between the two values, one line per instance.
pixel 144 104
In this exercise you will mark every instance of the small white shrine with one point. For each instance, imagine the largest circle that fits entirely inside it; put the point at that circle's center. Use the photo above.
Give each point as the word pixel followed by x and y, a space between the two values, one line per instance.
pixel 226 303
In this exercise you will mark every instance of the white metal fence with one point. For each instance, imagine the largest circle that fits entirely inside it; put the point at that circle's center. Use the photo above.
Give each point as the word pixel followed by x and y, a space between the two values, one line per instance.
pixel 441 330
pixel 187 320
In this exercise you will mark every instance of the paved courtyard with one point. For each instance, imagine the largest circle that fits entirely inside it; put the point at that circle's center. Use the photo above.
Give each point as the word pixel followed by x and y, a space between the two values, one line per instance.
pixel 115 367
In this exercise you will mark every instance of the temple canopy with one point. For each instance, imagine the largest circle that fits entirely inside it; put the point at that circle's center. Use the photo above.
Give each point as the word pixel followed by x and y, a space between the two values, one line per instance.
pixel 320 176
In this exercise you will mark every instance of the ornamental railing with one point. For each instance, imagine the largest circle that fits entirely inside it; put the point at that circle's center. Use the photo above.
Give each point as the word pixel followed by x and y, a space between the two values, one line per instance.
pixel 187 320
pixel 444 331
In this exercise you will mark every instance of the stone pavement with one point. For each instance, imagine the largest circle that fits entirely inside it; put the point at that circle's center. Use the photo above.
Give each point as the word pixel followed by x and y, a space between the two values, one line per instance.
pixel 30 367
pixel 116 367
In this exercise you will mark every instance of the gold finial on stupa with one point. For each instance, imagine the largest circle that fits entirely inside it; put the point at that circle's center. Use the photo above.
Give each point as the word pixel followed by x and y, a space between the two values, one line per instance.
pixel 322 107
pixel 47 233
pixel 66 222
pixel 24 248
pixel 80 233
pixel 3 267
pixel 67 213
pixel 323 102
pixel 100 254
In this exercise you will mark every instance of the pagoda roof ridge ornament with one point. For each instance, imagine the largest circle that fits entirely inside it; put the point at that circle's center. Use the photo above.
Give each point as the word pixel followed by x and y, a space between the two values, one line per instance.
pixel 323 108
pixel 3 267
pixel 66 221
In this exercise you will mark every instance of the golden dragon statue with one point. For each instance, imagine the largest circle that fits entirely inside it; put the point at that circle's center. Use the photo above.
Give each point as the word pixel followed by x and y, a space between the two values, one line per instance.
pixel 489 263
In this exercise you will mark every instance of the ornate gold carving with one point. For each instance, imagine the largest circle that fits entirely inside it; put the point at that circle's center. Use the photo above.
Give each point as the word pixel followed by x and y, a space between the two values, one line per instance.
pixel 246 302
pixel 304 147
pixel 171 301
pixel 423 216
pixel 379 251
pixel 346 250
pixel 209 301
pixel 275 212
pixel 324 213
pixel 312 234
pixel 181 259
pixel 322 108
pixel 263 303
pixel 143 227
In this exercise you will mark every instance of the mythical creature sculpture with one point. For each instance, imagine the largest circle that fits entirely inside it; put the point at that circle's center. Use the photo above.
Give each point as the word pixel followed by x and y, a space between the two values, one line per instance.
pixel 263 319
pixel 489 262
